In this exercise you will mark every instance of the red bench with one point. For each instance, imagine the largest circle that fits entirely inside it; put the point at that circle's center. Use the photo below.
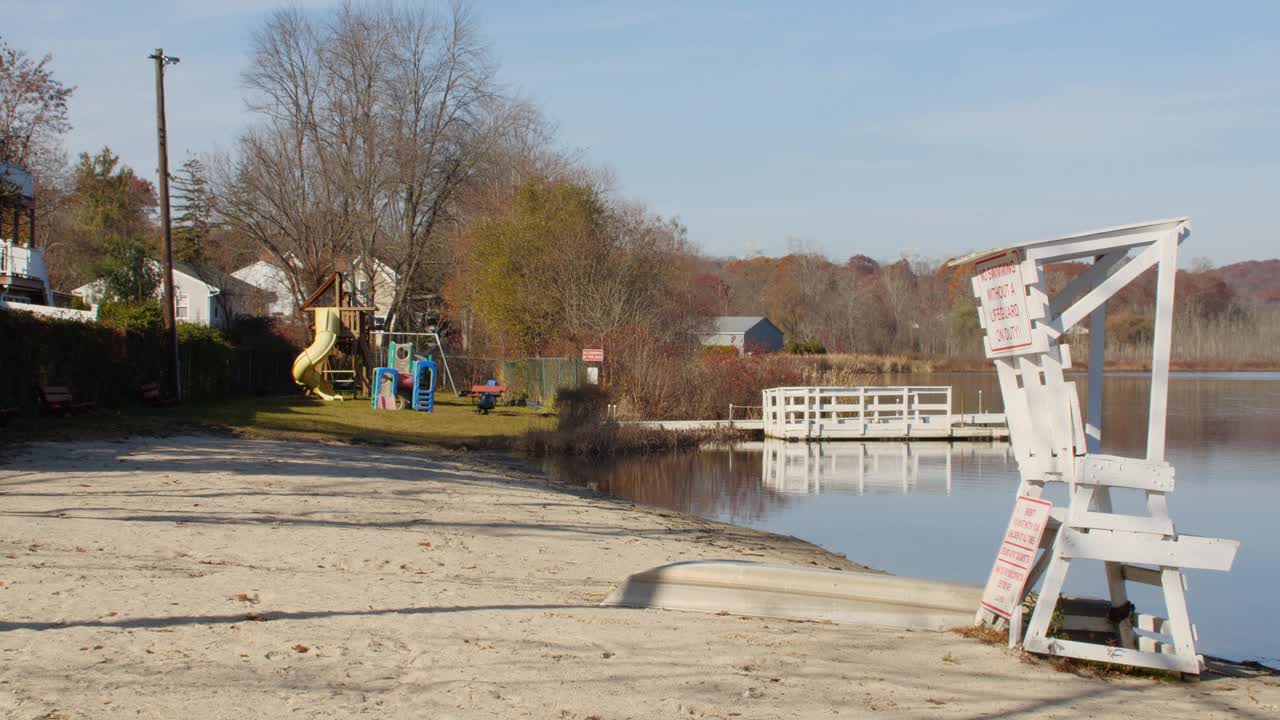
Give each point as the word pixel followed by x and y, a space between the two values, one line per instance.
pixel 485 403
pixel 58 399
pixel 149 394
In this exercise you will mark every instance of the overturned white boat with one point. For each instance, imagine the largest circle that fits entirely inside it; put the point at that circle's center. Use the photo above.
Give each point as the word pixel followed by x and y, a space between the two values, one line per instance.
pixel 762 589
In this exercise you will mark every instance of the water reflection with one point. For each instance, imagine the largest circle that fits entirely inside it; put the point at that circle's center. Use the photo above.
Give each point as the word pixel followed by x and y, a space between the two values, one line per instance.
pixel 869 468
pixel 749 481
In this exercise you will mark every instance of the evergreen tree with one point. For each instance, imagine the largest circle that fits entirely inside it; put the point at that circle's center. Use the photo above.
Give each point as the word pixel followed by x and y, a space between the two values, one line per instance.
pixel 193 200
pixel 129 276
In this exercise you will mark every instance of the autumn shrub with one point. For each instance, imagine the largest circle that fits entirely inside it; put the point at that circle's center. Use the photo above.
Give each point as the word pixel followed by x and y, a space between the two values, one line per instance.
pixel 804 347
pixel 580 406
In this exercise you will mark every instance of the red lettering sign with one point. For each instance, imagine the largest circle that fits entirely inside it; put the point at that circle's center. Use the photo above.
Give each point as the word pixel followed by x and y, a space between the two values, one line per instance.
pixel 1016 555
pixel 1004 302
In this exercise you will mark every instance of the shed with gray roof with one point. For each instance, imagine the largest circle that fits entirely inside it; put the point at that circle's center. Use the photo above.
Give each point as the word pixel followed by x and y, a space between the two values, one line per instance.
pixel 746 332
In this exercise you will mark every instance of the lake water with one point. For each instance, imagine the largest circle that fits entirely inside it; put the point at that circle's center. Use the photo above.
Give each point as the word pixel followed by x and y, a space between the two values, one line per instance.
pixel 938 510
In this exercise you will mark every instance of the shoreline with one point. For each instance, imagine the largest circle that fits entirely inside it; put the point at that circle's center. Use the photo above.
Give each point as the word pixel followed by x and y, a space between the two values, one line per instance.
pixel 209 575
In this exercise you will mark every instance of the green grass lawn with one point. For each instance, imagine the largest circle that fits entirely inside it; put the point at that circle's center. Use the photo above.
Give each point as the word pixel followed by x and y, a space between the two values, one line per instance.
pixel 454 424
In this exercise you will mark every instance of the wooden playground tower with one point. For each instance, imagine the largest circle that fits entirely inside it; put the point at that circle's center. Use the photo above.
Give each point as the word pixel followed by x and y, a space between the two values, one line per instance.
pixel 1055 443
pixel 351 360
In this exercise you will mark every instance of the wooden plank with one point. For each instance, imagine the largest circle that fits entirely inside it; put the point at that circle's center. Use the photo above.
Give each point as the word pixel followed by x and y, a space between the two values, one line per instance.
pixel 1138 574
pixel 1091 247
pixel 1097 359
pixel 1109 654
pixel 1086 280
pixel 1116 471
pixel 1037 437
pixel 1132 523
pixel 1152 645
pixel 1154 623
pixel 1187 551
pixel 1175 601
pixel 1161 346
pixel 1047 602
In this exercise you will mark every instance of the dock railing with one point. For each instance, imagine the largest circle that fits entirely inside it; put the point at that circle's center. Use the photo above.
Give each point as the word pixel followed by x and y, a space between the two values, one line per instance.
pixel 841 412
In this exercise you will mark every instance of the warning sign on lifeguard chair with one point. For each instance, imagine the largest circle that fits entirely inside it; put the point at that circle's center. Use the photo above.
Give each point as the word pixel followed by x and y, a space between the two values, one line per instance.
pixel 1055 442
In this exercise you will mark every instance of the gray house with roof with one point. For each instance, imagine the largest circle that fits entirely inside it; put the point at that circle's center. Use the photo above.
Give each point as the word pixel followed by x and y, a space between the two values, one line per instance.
pixel 747 333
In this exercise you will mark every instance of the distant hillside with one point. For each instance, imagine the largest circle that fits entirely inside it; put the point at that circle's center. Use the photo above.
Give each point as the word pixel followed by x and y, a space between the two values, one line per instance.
pixel 1254 279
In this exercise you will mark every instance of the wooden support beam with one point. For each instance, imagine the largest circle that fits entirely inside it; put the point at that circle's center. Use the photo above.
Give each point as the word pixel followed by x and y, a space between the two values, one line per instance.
pixel 1118 471
pixel 1086 280
pixel 1162 346
pixel 1105 289
pixel 1132 523
pixel 1106 653
pixel 1187 551
pixel 1138 574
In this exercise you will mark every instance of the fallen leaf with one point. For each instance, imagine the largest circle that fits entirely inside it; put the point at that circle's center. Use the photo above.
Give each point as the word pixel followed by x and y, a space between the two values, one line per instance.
pixel 300 648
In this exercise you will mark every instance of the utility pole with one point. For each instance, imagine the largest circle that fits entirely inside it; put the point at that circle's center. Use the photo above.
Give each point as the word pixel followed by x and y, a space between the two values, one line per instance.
pixel 166 244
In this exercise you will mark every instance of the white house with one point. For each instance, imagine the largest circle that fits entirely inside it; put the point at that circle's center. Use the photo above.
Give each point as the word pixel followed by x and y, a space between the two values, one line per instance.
pixel 374 285
pixel 378 277
pixel 202 295
pixel 272 279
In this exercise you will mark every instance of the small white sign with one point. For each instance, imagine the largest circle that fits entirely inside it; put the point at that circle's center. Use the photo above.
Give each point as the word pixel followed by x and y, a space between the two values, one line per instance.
pixel 1003 298
pixel 1017 554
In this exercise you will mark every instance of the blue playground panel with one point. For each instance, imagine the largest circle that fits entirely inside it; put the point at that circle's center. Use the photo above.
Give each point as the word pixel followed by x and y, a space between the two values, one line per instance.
pixel 424 385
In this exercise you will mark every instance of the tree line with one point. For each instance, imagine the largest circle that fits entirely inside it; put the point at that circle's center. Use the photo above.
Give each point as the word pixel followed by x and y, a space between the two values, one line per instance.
pixel 383 133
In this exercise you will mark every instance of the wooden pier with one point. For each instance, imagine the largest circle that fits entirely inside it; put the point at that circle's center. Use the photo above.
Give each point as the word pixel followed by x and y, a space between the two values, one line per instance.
pixel 865 413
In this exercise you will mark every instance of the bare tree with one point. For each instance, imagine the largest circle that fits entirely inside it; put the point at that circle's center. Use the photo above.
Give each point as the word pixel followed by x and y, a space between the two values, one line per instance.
pixel 371 120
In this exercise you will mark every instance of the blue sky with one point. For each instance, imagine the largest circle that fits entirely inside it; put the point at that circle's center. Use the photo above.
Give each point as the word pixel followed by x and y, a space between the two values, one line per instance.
pixel 854 127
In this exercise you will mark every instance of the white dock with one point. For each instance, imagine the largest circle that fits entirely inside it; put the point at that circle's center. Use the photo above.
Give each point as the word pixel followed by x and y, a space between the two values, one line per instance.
pixel 865 413
pixel 873 413
pixel 988 427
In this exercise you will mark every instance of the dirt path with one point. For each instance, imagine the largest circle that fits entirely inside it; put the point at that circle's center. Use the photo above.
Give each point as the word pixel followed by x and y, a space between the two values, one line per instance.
pixel 216 577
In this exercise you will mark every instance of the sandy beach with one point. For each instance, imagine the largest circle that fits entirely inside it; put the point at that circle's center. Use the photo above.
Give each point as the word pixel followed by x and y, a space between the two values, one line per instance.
pixel 225 577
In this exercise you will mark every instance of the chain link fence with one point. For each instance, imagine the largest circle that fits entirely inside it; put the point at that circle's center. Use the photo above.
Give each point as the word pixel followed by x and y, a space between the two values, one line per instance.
pixel 532 380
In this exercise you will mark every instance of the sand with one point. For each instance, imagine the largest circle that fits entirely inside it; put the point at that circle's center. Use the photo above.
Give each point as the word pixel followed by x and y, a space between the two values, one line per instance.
pixel 224 577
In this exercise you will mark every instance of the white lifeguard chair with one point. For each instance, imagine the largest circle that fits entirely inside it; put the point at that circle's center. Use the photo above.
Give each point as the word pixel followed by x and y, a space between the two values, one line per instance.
pixel 1053 443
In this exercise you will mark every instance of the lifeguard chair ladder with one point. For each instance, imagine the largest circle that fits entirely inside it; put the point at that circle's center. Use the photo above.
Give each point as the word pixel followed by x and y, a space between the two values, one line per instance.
pixel 1053 443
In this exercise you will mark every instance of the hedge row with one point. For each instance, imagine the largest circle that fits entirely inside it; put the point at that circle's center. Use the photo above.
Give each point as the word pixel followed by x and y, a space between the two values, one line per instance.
pixel 107 363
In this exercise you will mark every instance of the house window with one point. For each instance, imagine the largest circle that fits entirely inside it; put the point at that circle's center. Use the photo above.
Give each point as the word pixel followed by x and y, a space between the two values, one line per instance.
pixel 182 307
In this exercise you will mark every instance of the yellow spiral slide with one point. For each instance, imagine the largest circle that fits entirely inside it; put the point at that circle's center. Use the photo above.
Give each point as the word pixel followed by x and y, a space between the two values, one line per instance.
pixel 306 369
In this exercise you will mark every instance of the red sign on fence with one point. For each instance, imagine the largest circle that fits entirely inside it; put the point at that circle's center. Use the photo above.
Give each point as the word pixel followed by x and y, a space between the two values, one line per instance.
pixel 592 354
pixel 1017 553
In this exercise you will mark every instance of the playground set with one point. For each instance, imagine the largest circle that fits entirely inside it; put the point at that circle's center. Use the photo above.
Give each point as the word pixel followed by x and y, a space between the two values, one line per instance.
pixel 345 344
